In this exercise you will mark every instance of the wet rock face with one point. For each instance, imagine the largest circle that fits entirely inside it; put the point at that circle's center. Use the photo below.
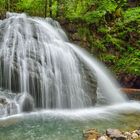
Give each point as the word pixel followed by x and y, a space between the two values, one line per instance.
pixel 3 104
pixel 3 101
pixel 133 3
pixel 27 104
pixel 11 108
pixel 133 94
pixel 89 81
pixel 7 107
pixel 38 59
pixel 130 81
pixel 21 102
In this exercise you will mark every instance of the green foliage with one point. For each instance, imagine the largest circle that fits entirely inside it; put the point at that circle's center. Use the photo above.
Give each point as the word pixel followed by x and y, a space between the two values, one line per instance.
pixel 76 8
pixel 108 58
pixel 99 45
pixel 96 44
pixel 109 27
pixel 90 11
pixel 24 5
pixel 129 63
pixel 114 41
pixel 117 42
pixel 132 14
pixel 2 5
pixel 103 29
pixel 1 2
pixel 84 32
pixel 106 5
pixel 93 17
pixel 31 7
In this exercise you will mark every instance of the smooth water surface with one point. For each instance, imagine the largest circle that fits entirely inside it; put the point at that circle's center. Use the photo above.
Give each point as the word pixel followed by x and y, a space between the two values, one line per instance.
pixel 69 125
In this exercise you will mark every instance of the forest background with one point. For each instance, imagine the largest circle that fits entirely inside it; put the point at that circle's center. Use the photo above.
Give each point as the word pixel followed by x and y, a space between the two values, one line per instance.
pixel 108 29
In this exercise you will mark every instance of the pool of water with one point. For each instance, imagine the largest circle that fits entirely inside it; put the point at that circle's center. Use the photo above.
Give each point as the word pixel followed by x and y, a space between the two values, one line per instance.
pixel 69 125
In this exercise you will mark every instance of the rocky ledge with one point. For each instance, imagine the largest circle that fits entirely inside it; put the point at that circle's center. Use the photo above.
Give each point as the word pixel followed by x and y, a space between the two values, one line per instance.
pixel 111 134
pixel 133 94
pixel 7 107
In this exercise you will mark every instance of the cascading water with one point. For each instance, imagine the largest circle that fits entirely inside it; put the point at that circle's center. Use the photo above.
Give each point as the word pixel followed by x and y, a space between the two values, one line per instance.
pixel 107 85
pixel 40 68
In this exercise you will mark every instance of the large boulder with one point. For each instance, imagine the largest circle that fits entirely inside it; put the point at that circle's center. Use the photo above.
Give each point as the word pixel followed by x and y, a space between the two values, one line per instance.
pixel 11 108
pixel 91 134
pixel 3 101
pixel 26 102
pixel 7 107
pixel 115 134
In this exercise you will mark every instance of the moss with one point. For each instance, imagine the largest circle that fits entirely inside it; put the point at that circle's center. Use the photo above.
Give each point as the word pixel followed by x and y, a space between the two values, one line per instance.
pixel 108 58
pixel 129 62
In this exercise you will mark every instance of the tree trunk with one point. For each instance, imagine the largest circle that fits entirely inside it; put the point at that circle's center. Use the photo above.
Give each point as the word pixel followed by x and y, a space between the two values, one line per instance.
pixel 50 7
pixel 57 11
pixel 7 5
pixel 45 8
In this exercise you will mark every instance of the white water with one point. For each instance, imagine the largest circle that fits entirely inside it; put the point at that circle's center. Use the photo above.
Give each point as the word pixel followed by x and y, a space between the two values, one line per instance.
pixel 35 60
pixel 103 113
pixel 108 86
pixel 40 65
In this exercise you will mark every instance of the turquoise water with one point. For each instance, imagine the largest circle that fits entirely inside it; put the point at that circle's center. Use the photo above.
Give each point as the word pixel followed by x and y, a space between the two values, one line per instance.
pixel 50 129
pixel 57 126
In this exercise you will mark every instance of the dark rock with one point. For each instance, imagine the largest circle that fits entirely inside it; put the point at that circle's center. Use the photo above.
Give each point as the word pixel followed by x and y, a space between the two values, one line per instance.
pixel 12 108
pixel 76 37
pixel 2 111
pixel 133 3
pixel 71 28
pixel 27 103
pixel 129 81
pixel 7 106
pixel 3 100
pixel 63 21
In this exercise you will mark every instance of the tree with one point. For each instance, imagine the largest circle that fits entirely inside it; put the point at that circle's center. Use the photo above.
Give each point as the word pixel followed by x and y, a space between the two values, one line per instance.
pixel 46 3
pixel 50 7
pixel 7 5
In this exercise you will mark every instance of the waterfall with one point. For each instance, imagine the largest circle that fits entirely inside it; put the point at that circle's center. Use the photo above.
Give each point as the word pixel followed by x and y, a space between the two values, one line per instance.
pixel 107 85
pixel 42 69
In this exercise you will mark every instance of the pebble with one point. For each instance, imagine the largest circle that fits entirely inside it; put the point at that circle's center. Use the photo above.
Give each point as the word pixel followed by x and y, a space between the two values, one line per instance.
pixel 138 132
pixel 134 135
pixel 127 134
pixel 112 134
pixel 104 138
